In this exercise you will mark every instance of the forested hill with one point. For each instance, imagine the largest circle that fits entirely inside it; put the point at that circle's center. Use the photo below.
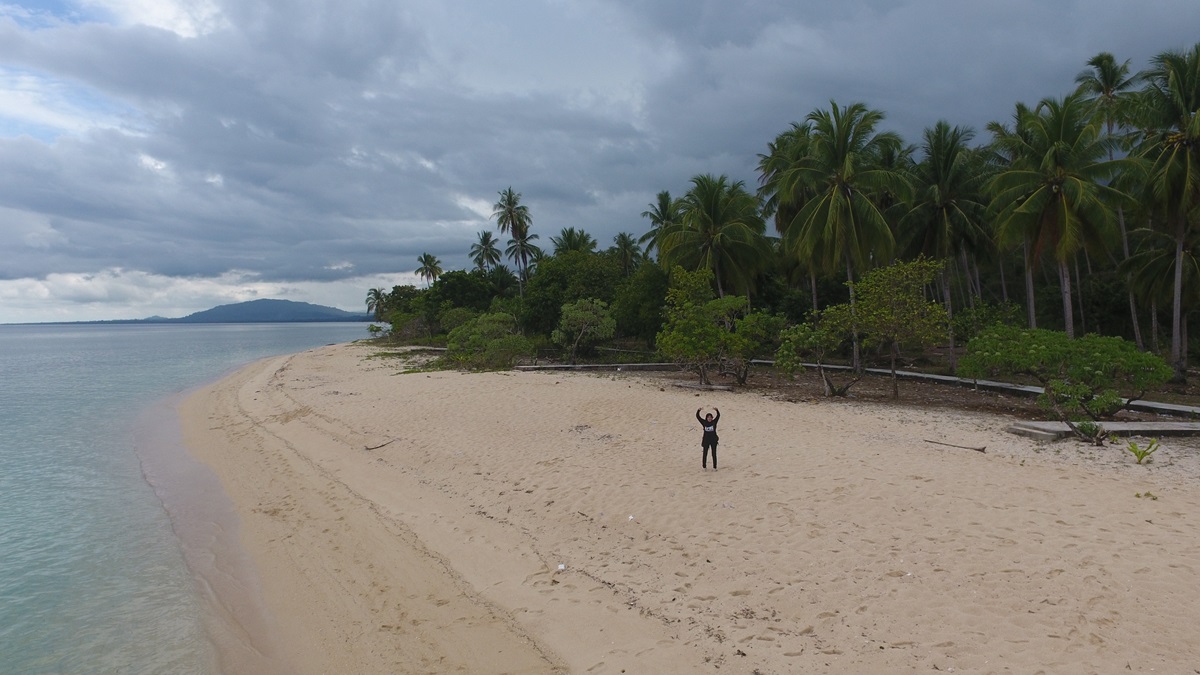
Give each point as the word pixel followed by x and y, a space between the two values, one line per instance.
pixel 268 311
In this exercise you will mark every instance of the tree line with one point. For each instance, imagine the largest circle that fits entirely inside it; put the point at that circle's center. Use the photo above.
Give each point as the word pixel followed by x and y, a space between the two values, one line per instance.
pixel 1077 214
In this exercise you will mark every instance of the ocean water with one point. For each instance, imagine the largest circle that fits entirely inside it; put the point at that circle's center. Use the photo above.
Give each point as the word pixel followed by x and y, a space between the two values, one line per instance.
pixel 92 578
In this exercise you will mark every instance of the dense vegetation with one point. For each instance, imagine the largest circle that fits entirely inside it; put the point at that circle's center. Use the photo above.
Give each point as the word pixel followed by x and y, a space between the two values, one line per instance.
pixel 1078 214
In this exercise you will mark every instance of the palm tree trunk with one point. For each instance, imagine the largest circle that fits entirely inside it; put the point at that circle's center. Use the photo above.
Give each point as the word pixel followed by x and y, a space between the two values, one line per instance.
pixel 1079 294
pixel 1137 327
pixel 1029 302
pixel 1184 330
pixel 966 267
pixel 1064 278
pixel 978 278
pixel 856 357
pixel 1154 344
pixel 1177 347
pixel 950 322
pixel 1003 281
pixel 1133 313
pixel 812 280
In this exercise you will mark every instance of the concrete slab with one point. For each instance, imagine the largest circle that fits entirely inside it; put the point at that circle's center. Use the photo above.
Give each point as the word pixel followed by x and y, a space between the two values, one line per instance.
pixel 1057 430
pixel 1038 434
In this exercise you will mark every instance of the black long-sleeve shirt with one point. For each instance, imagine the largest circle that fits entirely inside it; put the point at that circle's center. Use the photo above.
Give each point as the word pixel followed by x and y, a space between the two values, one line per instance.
pixel 710 427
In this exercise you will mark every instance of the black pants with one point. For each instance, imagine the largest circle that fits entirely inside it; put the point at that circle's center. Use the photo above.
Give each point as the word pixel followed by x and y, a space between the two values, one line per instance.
pixel 704 458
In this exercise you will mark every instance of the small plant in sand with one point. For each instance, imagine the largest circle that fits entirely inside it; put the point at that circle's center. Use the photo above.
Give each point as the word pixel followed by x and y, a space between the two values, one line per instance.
pixel 1141 453
pixel 1146 495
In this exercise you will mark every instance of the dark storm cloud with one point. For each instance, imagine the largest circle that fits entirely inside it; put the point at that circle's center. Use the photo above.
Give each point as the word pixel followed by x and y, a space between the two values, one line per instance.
pixel 322 140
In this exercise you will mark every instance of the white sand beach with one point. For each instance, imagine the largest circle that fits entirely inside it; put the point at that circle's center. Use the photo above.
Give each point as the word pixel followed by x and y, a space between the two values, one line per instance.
pixel 561 523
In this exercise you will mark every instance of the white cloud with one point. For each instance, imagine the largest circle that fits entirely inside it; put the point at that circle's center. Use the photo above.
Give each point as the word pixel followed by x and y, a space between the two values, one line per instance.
pixel 134 294
pixel 44 106
pixel 480 207
pixel 186 18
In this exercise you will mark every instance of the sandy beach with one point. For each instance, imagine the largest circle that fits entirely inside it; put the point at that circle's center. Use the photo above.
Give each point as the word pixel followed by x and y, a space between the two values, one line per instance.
pixel 445 522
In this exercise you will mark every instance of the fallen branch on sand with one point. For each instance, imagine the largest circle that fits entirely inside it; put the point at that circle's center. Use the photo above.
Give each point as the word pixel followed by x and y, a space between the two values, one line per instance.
pixel 951 445
pixel 376 447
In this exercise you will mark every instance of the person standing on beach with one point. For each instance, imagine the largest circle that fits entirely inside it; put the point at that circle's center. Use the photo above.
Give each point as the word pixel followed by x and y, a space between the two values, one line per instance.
pixel 709 423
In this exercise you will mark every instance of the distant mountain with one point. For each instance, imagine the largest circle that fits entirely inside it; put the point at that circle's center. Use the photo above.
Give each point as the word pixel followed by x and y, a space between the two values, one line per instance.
pixel 268 311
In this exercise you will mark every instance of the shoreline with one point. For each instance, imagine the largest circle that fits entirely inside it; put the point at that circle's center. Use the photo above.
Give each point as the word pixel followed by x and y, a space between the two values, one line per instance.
pixel 235 618
pixel 416 523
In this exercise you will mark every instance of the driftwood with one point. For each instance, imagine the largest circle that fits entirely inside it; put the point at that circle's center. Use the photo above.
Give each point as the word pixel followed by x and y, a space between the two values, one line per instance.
pixel 962 447
pixel 376 447
pixel 705 387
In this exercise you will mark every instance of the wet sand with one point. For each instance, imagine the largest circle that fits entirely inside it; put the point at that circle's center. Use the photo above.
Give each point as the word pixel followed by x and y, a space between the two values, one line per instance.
pixel 539 523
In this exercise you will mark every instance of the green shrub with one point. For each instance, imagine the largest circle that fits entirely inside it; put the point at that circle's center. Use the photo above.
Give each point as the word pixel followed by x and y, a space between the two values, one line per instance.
pixel 825 334
pixel 487 342
pixel 454 317
pixel 1092 377
pixel 583 324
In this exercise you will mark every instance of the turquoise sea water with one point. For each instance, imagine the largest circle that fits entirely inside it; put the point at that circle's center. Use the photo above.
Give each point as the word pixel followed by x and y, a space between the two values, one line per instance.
pixel 92 579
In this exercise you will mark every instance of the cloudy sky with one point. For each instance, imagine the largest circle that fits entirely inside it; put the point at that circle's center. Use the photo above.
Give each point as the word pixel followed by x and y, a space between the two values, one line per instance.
pixel 164 156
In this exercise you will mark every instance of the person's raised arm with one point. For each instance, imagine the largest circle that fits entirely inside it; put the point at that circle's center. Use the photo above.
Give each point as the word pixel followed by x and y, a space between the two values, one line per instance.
pixel 718 417
pixel 698 418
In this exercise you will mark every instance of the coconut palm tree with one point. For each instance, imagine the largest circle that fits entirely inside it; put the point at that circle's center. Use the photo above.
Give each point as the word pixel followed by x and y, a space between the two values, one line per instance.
pixel 524 254
pixel 664 214
pixel 947 210
pixel 783 194
pixel 841 169
pixel 430 269
pixel 570 239
pixel 946 215
pixel 1005 148
pixel 513 219
pixel 721 230
pixel 1152 267
pixel 780 190
pixel 511 215
pixel 1110 87
pixel 377 302
pixel 841 222
pixel 1169 113
pixel 1055 191
pixel 485 253
pixel 627 252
